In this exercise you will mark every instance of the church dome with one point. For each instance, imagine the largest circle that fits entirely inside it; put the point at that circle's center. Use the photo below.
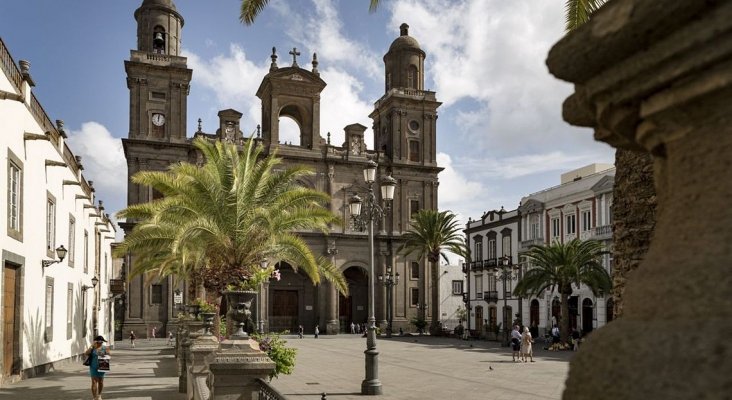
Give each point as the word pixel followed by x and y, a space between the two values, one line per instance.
pixel 404 41
pixel 162 3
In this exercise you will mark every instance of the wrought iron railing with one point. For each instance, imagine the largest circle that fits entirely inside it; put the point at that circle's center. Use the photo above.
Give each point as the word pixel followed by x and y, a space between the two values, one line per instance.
pixel 491 296
pixel 267 392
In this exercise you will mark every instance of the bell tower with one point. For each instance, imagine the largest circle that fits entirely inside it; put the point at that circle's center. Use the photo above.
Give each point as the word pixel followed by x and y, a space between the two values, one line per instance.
pixel 405 118
pixel 157 77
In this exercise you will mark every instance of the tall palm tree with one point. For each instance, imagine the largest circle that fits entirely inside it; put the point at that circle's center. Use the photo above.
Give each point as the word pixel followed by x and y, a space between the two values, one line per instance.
pixel 433 232
pixel 216 222
pixel 562 266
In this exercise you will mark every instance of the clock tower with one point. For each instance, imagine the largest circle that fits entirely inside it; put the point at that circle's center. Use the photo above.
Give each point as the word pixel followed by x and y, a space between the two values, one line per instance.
pixel 157 76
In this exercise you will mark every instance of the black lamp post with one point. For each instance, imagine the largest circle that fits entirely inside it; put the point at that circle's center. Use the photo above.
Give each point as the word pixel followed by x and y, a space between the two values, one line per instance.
pixel 505 271
pixel 389 281
pixel 364 213
pixel 260 308
pixel 60 253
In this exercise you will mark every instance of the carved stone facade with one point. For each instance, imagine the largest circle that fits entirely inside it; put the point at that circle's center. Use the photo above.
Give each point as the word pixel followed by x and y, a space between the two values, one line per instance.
pixel 406 150
pixel 654 76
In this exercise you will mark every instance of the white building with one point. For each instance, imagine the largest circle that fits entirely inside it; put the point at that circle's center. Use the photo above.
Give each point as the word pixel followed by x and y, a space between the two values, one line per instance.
pixel 452 285
pixel 50 309
pixel 493 242
pixel 579 207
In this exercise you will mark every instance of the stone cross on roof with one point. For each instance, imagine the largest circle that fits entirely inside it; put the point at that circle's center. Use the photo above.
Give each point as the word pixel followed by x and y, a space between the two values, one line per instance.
pixel 294 54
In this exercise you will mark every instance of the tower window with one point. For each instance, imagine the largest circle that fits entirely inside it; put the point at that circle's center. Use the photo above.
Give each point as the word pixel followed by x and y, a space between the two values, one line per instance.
pixel 414 151
pixel 412 75
pixel 158 44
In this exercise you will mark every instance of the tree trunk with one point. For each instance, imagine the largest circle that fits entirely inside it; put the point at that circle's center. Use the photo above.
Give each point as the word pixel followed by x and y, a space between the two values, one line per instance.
pixel 634 217
pixel 435 293
pixel 564 325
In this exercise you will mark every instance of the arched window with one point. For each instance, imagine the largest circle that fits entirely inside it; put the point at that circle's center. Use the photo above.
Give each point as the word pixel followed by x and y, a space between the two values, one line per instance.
pixel 158 44
pixel 412 77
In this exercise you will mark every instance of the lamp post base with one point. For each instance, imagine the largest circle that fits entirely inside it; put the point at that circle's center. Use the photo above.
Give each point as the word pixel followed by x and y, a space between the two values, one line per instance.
pixel 371 386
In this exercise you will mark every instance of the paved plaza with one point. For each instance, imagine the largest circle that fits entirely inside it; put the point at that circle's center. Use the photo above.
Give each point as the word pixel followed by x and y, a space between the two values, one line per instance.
pixel 409 368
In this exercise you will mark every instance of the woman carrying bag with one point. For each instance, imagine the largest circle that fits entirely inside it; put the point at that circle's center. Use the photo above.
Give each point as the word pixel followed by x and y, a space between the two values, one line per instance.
pixel 96 371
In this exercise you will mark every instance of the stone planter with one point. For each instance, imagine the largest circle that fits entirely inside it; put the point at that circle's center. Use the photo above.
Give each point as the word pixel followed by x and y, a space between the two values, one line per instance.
pixel 193 310
pixel 207 322
pixel 239 303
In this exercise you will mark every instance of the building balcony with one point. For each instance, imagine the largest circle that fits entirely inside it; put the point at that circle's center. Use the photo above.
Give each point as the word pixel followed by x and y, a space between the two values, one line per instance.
pixel 491 296
pixel 603 232
pixel 524 245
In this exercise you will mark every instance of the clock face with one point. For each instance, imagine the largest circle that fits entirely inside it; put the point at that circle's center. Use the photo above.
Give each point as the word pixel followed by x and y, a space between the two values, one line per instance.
pixel 158 119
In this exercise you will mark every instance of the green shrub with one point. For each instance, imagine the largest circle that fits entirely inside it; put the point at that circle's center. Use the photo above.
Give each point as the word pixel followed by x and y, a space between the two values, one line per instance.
pixel 283 356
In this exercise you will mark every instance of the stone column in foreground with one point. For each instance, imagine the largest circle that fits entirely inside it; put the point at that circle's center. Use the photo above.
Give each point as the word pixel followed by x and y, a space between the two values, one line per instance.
pixel 656 76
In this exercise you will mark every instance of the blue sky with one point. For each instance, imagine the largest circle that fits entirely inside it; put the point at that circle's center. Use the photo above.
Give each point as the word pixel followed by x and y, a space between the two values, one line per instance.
pixel 500 132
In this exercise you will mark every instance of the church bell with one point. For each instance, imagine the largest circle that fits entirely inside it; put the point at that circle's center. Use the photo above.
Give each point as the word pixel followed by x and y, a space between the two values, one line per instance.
pixel 158 39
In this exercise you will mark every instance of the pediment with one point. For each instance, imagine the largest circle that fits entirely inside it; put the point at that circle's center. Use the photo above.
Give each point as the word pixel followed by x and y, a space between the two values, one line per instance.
pixel 605 184
pixel 531 205
pixel 281 78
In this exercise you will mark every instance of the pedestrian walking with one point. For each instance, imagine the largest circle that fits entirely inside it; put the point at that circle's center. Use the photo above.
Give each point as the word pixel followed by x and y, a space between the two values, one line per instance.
pixel 555 338
pixel 575 339
pixel 98 349
pixel 353 327
pixel 516 343
pixel 153 332
pixel 170 338
pixel 317 331
pixel 132 339
pixel 526 348
pixel 301 331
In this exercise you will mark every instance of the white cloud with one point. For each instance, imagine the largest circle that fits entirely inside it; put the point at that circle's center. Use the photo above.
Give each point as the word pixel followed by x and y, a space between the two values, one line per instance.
pixel 528 164
pixel 104 164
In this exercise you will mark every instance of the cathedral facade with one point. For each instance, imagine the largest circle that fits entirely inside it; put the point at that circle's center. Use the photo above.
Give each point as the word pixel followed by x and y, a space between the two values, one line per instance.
pixel 404 125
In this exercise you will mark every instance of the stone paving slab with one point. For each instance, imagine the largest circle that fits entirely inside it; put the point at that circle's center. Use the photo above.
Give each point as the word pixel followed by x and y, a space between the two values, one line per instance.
pixel 147 372
pixel 422 368
pixel 409 368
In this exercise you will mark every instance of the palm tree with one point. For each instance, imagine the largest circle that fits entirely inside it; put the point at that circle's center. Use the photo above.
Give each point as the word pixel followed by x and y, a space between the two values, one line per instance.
pixel 432 232
pixel 563 265
pixel 216 222
pixel 577 12
pixel 251 8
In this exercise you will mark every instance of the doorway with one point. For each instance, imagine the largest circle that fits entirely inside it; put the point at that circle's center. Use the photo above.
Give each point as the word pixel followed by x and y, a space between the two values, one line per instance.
pixel 587 316
pixel 284 311
pixel 479 319
pixel 354 308
pixel 10 326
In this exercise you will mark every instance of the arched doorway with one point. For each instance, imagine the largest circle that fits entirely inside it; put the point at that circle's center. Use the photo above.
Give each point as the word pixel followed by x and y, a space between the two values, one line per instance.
pixel 355 307
pixel 587 316
pixel 534 318
pixel 609 310
pixel 288 299
pixel 556 311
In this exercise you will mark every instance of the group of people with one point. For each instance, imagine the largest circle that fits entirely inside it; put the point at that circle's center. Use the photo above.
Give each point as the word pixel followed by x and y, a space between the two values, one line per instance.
pixel 358 328
pixel 521 344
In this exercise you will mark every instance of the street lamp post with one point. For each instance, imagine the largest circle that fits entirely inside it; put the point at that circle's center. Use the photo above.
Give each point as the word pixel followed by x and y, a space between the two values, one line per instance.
pixel 364 213
pixel 260 301
pixel 389 281
pixel 505 272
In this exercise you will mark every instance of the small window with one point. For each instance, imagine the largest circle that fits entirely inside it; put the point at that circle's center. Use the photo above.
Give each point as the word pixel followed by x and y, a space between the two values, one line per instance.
pixel 414 296
pixel 414 151
pixel 506 245
pixel 413 208
pixel 15 197
pixel 48 334
pixel 457 288
pixel 86 251
pixel 586 220
pixel 492 314
pixel 414 270
pixel 571 224
pixel 71 241
pixel 50 225
pixel 478 250
pixel 478 286
pixel 69 309
pixel 491 249
pixel 555 227
pixel 156 294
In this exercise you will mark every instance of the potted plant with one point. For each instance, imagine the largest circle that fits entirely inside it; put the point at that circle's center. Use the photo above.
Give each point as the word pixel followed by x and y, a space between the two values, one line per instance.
pixel 419 323
pixel 241 295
